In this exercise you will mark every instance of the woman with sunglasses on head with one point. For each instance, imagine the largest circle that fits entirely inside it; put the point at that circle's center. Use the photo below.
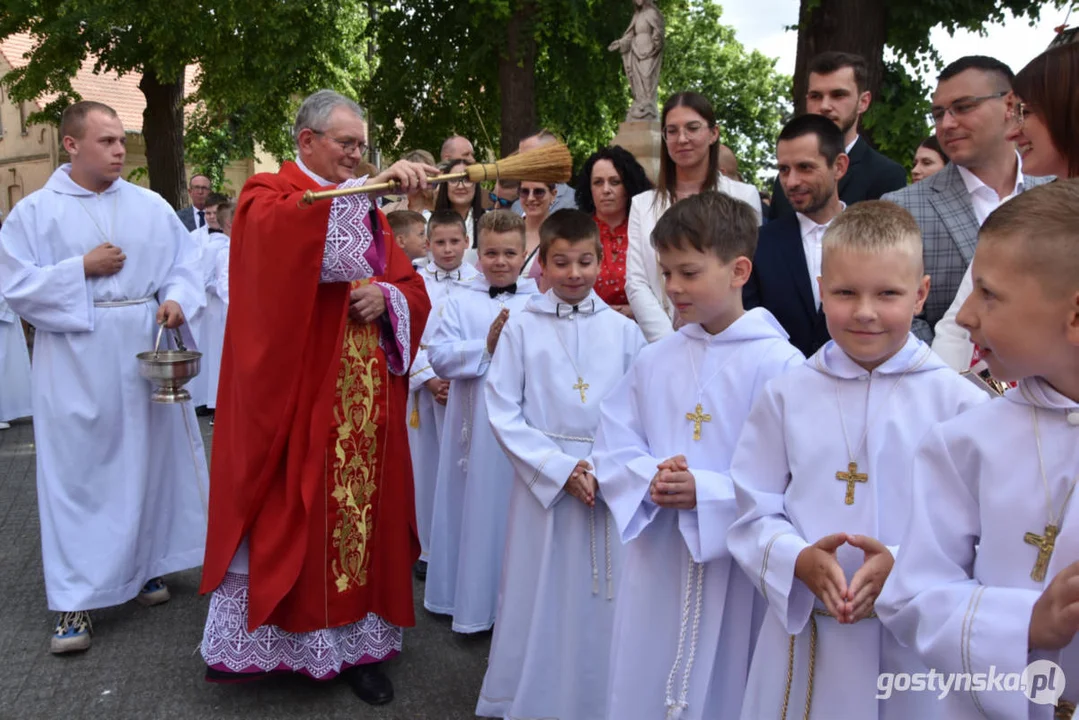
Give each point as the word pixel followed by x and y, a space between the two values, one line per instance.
pixel 688 164
pixel 1045 108
pixel 536 199
pixel 607 182
pixel 466 199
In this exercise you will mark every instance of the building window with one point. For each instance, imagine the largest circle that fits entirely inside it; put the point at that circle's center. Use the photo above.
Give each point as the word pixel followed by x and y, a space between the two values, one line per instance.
pixel 22 119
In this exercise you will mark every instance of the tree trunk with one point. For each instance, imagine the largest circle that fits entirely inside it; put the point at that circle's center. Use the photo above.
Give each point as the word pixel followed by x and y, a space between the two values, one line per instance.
pixel 854 26
pixel 163 132
pixel 517 77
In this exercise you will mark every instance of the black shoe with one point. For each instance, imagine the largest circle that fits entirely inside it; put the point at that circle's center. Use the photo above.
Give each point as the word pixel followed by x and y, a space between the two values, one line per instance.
pixel 419 570
pixel 369 683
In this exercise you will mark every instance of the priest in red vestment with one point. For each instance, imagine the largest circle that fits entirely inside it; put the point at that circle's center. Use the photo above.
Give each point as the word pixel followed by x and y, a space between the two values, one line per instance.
pixel 312 531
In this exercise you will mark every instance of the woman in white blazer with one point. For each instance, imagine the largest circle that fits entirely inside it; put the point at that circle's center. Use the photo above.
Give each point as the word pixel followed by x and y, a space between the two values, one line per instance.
pixel 689 163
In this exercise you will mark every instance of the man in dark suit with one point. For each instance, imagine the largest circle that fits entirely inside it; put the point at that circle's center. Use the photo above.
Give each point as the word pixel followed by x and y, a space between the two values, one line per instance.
pixel 837 83
pixel 788 259
pixel 194 215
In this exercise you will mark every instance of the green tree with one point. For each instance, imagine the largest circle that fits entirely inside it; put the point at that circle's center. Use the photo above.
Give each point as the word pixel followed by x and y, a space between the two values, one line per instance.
pixel 255 58
pixel 902 26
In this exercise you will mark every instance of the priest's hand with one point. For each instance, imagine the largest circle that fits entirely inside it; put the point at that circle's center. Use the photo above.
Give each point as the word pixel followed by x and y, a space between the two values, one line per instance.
pixel 818 568
pixel 409 176
pixel 866 584
pixel 496 330
pixel 104 260
pixel 1055 618
pixel 438 388
pixel 170 315
pixel 366 304
pixel 582 484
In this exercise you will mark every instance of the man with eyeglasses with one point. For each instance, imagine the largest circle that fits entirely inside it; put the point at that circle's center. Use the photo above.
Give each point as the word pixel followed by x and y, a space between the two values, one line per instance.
pixel 972 112
pixel 194 215
pixel 837 90
pixel 311 534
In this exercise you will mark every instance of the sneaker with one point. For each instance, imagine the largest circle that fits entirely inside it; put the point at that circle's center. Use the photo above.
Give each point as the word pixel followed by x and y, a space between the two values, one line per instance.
pixel 72 633
pixel 154 592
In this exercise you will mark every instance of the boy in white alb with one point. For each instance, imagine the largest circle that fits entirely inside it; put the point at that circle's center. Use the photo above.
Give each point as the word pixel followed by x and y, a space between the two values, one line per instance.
pixel 468 528
pixel 683 627
pixel 557 360
pixel 410 234
pixel 822 479
pixel 986 579
pixel 444 276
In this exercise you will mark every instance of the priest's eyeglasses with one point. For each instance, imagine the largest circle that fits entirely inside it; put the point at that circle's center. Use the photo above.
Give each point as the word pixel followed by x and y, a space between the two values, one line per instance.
pixel 348 146
pixel 963 106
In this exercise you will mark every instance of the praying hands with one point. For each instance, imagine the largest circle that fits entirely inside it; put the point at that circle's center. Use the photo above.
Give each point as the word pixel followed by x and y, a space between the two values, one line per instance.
pixel 496 330
pixel 582 484
pixel 674 486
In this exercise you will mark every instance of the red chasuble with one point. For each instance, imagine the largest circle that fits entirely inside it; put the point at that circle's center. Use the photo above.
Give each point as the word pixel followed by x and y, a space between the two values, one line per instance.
pixel 310 454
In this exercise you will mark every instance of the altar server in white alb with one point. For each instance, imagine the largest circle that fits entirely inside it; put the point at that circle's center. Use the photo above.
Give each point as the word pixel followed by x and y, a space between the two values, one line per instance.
pixel 444 275
pixel 556 361
pixel 216 264
pixel 95 264
pixel 987 578
pixel 822 478
pixel 15 399
pixel 684 617
pixel 468 531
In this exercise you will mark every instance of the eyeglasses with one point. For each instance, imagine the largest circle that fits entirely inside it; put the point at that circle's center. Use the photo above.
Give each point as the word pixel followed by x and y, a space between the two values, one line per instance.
pixel 199 188
pixel 1021 112
pixel 500 201
pixel 963 106
pixel 348 146
pixel 462 182
pixel 691 129
pixel 538 193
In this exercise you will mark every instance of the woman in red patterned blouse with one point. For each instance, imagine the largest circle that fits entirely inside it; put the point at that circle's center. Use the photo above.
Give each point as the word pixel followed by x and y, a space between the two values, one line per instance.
pixel 605 185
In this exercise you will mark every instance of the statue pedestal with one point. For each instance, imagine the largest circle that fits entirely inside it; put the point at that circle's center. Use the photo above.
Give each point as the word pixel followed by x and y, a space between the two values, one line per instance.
pixel 642 138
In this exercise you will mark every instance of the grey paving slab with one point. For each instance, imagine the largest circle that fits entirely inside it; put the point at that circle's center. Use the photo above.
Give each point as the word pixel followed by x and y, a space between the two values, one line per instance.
pixel 144 662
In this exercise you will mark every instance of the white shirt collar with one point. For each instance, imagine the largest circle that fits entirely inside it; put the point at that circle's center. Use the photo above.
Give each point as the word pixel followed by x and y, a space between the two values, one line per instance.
pixel 973 183
pixel 808 225
pixel 307 171
pixel 852 144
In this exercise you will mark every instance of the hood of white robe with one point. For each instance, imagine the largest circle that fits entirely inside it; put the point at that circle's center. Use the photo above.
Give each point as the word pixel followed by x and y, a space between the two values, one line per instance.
pixel 60 182
pixel 915 356
pixel 1038 392
pixel 548 303
pixel 755 324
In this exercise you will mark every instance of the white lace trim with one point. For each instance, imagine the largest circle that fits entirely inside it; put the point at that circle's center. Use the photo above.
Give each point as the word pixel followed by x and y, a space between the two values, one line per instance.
pixel 401 322
pixel 348 238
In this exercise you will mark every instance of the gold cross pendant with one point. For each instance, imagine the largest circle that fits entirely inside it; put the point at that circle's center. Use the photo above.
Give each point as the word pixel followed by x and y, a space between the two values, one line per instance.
pixel 850 477
pixel 581 387
pixel 1045 544
pixel 697 417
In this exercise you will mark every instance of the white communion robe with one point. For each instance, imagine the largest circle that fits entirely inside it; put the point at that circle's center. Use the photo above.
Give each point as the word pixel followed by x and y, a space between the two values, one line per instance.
pixel 551 647
pixel 199 386
pixel 216 312
pixel 425 415
pixel 15 400
pixel 684 617
pixel 961 592
pixel 468 528
pixel 784 473
pixel 121 481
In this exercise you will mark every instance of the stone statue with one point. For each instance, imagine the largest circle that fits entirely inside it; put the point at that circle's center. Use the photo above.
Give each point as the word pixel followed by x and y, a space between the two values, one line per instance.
pixel 642 55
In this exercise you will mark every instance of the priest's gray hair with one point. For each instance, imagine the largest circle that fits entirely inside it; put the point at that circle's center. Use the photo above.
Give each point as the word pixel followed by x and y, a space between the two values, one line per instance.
pixel 315 111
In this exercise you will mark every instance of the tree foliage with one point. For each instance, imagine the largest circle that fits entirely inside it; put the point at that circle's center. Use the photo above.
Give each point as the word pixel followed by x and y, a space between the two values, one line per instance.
pixel 438 59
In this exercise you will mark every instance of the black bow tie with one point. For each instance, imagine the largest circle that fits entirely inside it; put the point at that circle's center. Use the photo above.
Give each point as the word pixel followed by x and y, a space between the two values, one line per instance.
pixel 441 275
pixel 510 289
pixel 587 306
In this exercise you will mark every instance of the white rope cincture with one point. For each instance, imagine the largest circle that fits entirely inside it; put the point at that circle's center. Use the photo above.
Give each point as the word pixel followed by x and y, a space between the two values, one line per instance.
pixel 675 708
pixel 592 548
pixel 607 538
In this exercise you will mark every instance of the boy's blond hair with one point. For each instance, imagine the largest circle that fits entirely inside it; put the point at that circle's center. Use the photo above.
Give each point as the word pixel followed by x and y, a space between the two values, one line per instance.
pixel 501 221
pixel 874 226
pixel 1042 224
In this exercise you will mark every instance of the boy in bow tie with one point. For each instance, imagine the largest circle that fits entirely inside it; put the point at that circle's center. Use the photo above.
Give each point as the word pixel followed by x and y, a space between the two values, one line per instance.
pixel 822 480
pixel 558 359
pixel 468 528
pixel 444 275
pixel 986 580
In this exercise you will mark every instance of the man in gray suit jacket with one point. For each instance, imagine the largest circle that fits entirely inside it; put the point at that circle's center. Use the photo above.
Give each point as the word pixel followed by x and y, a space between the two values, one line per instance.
pixel 973 110
pixel 193 216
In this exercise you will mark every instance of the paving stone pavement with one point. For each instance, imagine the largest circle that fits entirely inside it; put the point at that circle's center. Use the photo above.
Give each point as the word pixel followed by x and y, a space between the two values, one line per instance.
pixel 144 662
